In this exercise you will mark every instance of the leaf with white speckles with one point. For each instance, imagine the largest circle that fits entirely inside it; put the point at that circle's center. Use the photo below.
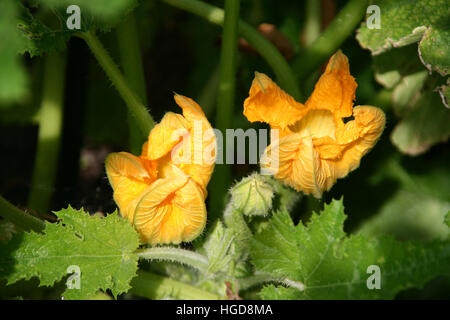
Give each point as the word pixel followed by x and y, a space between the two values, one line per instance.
pixel 322 263
pixel 102 249
pixel 410 21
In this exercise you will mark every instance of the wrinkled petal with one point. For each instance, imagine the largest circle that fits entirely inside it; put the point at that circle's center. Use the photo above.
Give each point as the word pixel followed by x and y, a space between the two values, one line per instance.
pixel 316 123
pixel 196 155
pixel 358 137
pixel 315 146
pixel 299 165
pixel 171 210
pixel 128 178
pixel 165 135
pixel 165 199
pixel 328 148
pixel 269 103
pixel 282 132
pixel 335 90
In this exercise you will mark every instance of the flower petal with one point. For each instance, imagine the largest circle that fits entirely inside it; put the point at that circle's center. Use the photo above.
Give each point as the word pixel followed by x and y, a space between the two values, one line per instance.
pixel 335 90
pixel 196 156
pixel 166 135
pixel 128 178
pixel 269 103
pixel 171 210
pixel 316 123
pixel 299 165
pixel 358 137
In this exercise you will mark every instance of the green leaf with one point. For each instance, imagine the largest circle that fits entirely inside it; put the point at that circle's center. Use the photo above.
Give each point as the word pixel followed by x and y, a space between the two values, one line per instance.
pixel 391 66
pixel 426 125
pixel 217 248
pixel 271 292
pixel 406 77
pixel 99 14
pixel 415 210
pixel 7 230
pixel 240 249
pixel 415 99
pixel 104 10
pixel 318 261
pixel 102 248
pixel 444 92
pixel 434 47
pixel 285 197
pixel 410 215
pixel 235 221
pixel 410 21
pixel 38 38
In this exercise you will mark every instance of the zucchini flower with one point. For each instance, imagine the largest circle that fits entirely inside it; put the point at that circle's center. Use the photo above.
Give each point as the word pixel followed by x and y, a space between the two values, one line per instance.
pixel 162 192
pixel 319 141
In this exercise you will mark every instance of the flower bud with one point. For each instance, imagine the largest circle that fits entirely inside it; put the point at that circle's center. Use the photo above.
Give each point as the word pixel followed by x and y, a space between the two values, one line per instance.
pixel 253 195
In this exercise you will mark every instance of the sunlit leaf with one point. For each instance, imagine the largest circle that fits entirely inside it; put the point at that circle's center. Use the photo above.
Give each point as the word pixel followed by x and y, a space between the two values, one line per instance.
pixel 403 22
pixel 102 249
pixel 318 261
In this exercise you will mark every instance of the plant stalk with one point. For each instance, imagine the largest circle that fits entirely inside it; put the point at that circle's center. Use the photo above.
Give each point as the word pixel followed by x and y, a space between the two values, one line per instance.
pixel 225 102
pixel 265 48
pixel 182 256
pixel 133 102
pixel 331 39
pixel 21 219
pixel 49 138
pixel 133 69
pixel 312 21
pixel 153 286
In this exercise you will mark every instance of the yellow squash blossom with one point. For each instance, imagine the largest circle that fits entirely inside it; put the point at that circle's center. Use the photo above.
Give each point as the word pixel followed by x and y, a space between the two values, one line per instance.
pixel 316 146
pixel 161 195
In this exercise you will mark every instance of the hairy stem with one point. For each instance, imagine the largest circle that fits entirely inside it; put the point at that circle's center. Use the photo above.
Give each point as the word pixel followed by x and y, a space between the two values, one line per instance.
pixel 153 286
pixel 265 48
pixel 49 138
pixel 21 219
pixel 182 256
pixel 331 39
pixel 131 61
pixel 262 278
pixel 225 100
pixel 133 102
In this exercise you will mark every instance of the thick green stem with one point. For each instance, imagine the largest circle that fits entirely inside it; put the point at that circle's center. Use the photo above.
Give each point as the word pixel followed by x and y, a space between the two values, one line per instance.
pixel 331 39
pixel 134 103
pixel 312 21
pixel 49 138
pixel 131 60
pixel 20 218
pixel 182 256
pixel 153 286
pixel 225 102
pixel 265 48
